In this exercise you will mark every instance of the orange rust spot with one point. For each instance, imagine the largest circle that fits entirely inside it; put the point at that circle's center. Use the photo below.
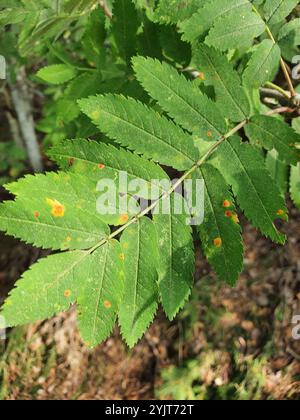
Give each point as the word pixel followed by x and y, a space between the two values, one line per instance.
pixel 281 213
pixel 122 257
pixel 101 166
pixel 201 76
pixel 36 214
pixel 71 162
pixel 107 304
pixel 228 213
pixel 67 293
pixel 218 242
pixel 226 204
pixel 124 218
pixel 209 134
pixel 58 209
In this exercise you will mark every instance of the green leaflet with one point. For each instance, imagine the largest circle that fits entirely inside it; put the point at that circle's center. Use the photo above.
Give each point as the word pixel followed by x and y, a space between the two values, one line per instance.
pixel 180 98
pixel 139 243
pixel 272 133
pixel 88 158
pixel 280 171
pixel 277 10
pixel 295 185
pixel 243 167
pixel 237 30
pixel 57 74
pixel 220 232
pixel 55 211
pixel 209 14
pixel 124 28
pixel 173 11
pixel 141 129
pixel 48 288
pixel 176 256
pixel 219 73
pixel 263 65
pixel 291 26
pixel 101 293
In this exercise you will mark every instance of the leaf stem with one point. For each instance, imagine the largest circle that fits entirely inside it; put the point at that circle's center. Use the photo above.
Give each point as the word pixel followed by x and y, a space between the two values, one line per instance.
pixel 279 89
pixel 174 187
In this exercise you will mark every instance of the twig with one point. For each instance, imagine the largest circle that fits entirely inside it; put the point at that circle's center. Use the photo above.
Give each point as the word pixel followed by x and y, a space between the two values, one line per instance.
pixel 14 130
pixel 280 90
pixel 21 101
pixel 281 110
pixel 104 6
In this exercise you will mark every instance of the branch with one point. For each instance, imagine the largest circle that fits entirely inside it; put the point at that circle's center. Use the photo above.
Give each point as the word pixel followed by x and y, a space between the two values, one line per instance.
pixel 104 6
pixel 21 101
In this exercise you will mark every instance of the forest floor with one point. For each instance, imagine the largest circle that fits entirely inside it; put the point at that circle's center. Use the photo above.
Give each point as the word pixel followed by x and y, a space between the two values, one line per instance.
pixel 226 344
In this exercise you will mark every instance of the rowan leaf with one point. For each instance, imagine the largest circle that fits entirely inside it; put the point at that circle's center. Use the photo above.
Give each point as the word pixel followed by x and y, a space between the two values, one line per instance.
pixel 263 65
pixel 236 30
pixel 243 167
pixel 139 243
pixel 220 232
pixel 51 286
pixel 276 10
pixel 55 211
pixel 173 11
pixel 180 98
pixel 272 133
pixel 205 18
pixel 141 129
pixel 101 293
pixel 124 28
pixel 176 254
pixel 295 185
pixel 57 74
pixel 219 73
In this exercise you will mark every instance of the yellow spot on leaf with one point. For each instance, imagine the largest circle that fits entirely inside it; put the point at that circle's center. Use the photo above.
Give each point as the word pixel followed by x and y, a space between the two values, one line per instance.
pixel 218 242
pixel 95 115
pixel 68 239
pixel 58 209
pixel 122 257
pixel 67 293
pixel 235 218
pixel 125 245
